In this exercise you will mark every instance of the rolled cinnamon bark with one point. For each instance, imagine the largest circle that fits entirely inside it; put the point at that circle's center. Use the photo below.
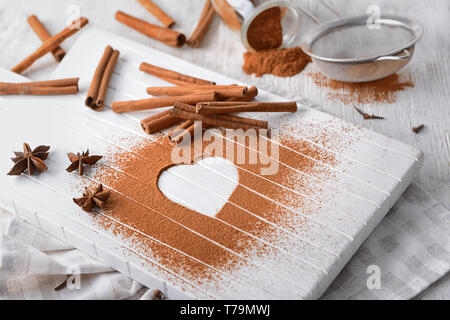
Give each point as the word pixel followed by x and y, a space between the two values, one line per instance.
pixel 224 91
pixel 203 25
pixel 48 46
pixel 166 74
pixel 228 14
pixel 166 35
pixel 214 121
pixel 96 80
pixel 235 107
pixel 48 83
pixel 177 82
pixel 252 122
pixel 185 107
pixel 38 91
pixel 186 134
pixel 154 103
pixel 109 70
pixel 155 116
pixel 40 30
pixel 251 94
pixel 163 122
pixel 180 129
pixel 158 13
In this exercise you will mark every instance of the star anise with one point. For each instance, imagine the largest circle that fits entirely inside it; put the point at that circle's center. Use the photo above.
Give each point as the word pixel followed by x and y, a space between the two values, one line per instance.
pixel 90 199
pixel 29 160
pixel 78 160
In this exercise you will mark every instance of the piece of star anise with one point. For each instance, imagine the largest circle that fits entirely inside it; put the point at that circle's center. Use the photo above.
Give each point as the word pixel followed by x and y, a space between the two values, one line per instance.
pixel 91 199
pixel 29 160
pixel 80 159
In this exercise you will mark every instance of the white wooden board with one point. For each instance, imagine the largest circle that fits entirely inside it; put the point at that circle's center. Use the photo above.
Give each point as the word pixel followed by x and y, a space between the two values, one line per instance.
pixel 370 174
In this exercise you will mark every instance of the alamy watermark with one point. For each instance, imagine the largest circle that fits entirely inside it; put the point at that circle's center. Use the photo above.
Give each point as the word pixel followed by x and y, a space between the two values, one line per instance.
pixel 373 21
pixel 252 147
pixel 73 280
pixel 374 280
pixel 74 17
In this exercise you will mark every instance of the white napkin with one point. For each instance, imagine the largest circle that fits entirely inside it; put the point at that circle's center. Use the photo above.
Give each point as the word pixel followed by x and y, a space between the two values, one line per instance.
pixel 34 263
pixel 410 248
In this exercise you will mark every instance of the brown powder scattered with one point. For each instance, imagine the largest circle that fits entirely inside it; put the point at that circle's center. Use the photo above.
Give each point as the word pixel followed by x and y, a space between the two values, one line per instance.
pixel 281 63
pixel 265 31
pixel 136 201
pixel 382 91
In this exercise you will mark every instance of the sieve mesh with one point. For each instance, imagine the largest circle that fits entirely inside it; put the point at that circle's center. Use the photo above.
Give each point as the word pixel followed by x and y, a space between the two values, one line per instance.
pixel 348 50
pixel 359 42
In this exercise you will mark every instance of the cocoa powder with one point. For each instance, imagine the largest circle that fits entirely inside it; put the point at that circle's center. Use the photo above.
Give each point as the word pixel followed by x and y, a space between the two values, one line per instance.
pixel 137 202
pixel 382 91
pixel 265 31
pixel 265 36
pixel 279 62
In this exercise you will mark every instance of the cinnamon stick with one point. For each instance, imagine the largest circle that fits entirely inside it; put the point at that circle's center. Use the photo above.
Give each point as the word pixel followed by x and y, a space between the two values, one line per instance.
pixel 214 121
pixel 157 12
pixel 154 117
pixel 109 70
pixel 158 124
pixel 228 14
pixel 48 46
pixel 252 122
pixel 177 82
pixel 224 91
pixel 96 80
pixel 251 94
pixel 202 26
pixel 235 107
pixel 188 133
pixel 48 83
pixel 165 35
pixel 169 74
pixel 40 30
pixel 185 107
pixel 180 130
pixel 38 91
pixel 154 103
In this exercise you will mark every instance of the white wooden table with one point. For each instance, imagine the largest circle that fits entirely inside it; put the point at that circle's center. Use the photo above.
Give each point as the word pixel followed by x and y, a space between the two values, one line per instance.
pixel 222 50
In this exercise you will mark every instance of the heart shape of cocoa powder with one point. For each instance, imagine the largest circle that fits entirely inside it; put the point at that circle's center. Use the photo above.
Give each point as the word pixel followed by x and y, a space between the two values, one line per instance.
pixel 204 186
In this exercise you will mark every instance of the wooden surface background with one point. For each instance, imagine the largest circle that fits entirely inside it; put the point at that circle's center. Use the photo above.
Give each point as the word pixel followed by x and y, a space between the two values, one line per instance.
pixel 427 103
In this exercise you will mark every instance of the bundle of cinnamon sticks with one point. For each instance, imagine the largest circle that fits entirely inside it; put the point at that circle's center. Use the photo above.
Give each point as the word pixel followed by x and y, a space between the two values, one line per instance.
pixel 50 87
pixel 213 114
pixel 195 99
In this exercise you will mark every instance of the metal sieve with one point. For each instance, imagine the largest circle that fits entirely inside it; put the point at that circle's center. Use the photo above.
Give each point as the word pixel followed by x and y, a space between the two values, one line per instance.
pixel 347 49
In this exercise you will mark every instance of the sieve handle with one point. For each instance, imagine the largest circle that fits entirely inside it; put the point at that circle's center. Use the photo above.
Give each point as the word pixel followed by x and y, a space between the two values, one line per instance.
pixel 403 56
